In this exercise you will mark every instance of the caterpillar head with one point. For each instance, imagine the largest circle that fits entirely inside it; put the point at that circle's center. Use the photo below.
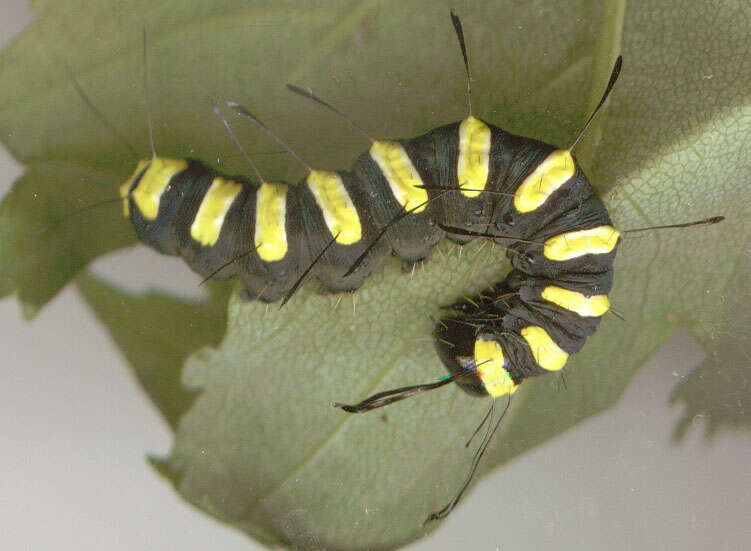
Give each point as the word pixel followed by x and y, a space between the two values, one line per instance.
pixel 455 345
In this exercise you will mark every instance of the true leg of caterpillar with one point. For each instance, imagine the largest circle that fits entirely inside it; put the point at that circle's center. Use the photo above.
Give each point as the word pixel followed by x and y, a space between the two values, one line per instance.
pixel 489 433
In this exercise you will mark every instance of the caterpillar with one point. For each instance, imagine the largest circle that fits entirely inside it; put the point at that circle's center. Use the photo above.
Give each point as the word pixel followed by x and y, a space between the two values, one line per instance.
pixel 465 180
pixel 401 197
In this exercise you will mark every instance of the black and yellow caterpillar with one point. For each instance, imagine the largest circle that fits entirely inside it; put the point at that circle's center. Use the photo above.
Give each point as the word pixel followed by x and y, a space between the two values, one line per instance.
pixel 463 180
pixel 182 207
pixel 560 239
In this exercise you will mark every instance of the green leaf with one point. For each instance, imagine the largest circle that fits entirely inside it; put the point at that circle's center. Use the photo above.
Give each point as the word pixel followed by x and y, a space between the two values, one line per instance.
pixel 261 447
pixel 46 236
pixel 156 334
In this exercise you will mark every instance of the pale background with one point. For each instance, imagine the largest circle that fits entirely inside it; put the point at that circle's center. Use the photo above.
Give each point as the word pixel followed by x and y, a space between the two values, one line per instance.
pixel 75 431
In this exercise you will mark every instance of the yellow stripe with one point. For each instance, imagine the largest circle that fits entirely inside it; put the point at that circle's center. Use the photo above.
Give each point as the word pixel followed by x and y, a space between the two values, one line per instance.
pixel 546 352
pixel 474 156
pixel 490 368
pixel 125 186
pixel 339 211
pixel 550 174
pixel 401 175
pixel 271 215
pixel 592 307
pixel 207 224
pixel 154 183
pixel 565 246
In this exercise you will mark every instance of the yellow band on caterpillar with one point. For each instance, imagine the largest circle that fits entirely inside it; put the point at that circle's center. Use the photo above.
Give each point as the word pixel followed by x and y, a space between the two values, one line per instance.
pixel 401 175
pixel 594 306
pixel 125 186
pixel 271 222
pixel 550 174
pixel 546 352
pixel 338 210
pixel 207 225
pixel 153 184
pixel 490 368
pixel 473 164
pixel 565 246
